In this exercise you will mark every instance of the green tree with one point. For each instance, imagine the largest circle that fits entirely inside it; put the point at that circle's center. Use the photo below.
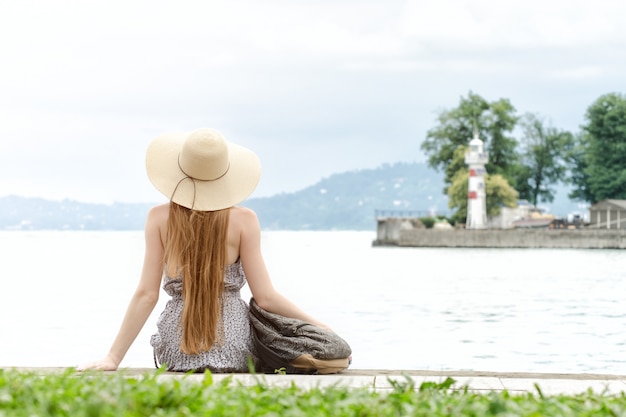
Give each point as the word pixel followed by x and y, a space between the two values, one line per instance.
pixel 457 164
pixel 577 160
pixel 498 193
pixel 599 155
pixel 493 121
pixel 501 120
pixel 543 156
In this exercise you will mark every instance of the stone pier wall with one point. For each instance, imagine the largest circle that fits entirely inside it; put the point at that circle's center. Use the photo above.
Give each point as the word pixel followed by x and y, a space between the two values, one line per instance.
pixel 396 232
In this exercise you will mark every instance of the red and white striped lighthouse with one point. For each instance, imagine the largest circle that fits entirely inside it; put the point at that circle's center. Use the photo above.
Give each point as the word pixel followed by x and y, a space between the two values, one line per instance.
pixel 476 158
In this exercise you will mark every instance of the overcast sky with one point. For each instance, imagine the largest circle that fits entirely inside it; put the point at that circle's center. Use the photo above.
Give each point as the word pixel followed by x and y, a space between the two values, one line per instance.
pixel 314 87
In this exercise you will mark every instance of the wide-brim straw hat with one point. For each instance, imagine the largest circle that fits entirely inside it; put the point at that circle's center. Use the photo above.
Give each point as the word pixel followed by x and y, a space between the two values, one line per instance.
pixel 202 171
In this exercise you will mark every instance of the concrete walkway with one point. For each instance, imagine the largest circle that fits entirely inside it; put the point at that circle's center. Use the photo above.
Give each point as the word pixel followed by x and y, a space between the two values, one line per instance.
pixel 381 380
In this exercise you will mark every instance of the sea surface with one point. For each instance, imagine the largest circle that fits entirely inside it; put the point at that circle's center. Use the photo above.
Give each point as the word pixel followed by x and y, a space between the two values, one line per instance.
pixel 543 310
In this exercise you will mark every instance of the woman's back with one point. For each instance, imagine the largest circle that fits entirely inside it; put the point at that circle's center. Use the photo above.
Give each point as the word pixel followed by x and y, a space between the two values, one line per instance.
pixel 240 219
pixel 234 349
pixel 204 239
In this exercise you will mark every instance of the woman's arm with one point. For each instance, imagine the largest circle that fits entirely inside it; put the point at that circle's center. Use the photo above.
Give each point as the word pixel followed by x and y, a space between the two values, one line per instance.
pixel 145 297
pixel 258 278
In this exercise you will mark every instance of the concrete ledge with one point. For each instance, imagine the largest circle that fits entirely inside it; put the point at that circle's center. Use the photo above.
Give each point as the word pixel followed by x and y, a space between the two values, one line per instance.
pixel 382 380
pixel 499 238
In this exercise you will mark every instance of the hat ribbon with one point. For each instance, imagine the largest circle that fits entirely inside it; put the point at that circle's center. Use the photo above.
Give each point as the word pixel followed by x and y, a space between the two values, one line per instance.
pixel 193 180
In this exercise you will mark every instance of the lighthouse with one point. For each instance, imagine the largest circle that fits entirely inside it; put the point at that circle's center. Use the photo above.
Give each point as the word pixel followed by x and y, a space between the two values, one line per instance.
pixel 476 158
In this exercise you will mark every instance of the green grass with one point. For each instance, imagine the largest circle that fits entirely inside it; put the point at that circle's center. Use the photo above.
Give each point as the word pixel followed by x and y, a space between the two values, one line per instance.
pixel 119 394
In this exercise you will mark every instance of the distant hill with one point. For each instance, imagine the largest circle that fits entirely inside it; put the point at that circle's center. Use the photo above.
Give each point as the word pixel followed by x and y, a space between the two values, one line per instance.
pixel 345 201
pixel 21 213
pixel 348 201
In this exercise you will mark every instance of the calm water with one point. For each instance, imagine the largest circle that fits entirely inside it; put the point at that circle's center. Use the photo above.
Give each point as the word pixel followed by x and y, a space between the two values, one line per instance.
pixel 405 308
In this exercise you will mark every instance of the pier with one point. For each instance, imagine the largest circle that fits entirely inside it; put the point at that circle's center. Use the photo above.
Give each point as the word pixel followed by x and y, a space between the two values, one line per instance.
pixel 408 232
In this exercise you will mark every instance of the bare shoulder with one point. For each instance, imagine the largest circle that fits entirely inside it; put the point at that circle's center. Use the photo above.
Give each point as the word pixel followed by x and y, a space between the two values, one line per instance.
pixel 159 212
pixel 243 215
pixel 157 216
pixel 156 224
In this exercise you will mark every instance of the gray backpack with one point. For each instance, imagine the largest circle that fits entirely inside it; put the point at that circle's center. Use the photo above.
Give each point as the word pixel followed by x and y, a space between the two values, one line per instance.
pixel 295 346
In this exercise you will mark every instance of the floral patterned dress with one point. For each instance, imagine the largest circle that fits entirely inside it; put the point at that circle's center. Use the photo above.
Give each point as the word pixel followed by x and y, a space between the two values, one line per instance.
pixel 230 356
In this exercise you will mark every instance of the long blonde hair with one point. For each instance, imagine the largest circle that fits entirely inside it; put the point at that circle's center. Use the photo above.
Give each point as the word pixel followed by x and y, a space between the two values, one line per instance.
pixel 195 249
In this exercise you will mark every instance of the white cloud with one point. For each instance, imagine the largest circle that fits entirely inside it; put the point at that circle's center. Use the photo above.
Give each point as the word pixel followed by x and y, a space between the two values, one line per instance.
pixel 528 24
pixel 583 72
pixel 314 87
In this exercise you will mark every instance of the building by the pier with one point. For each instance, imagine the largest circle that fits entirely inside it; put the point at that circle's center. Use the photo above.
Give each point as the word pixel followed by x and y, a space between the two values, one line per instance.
pixel 608 214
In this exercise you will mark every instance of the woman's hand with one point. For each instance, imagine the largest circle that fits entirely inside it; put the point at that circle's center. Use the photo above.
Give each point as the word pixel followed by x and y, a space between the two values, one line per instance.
pixel 106 364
